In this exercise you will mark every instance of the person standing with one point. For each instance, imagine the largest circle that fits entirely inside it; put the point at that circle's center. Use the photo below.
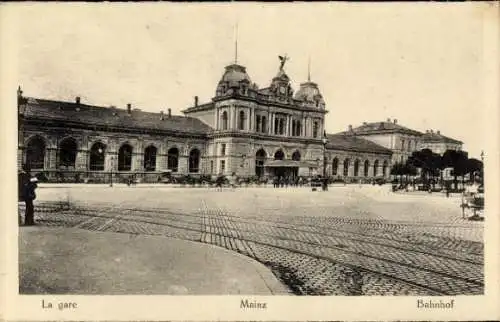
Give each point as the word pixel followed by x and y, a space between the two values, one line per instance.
pixel 219 181
pixel 29 196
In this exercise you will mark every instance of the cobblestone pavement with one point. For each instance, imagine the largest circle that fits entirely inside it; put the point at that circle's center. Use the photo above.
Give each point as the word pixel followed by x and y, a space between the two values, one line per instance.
pixel 347 241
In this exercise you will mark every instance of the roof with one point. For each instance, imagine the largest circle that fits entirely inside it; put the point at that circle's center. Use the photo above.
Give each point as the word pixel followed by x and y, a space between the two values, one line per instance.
pixel 308 91
pixel 382 127
pixel 438 138
pixel 354 143
pixel 235 73
pixel 111 116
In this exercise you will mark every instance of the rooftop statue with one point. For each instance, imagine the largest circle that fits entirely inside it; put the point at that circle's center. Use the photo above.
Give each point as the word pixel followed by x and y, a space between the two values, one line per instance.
pixel 283 60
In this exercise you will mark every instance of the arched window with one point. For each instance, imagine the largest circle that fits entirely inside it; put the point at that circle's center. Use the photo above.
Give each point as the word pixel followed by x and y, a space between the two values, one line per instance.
pixel 260 158
pixel 264 124
pixel 375 168
pixel 366 168
pixel 335 166
pixel 67 153
pixel 279 155
pixel 224 120
pixel 241 121
pixel 173 159
pixel 150 158
pixel 35 153
pixel 296 156
pixel 97 153
pixel 125 158
pixel 356 168
pixel 194 161
pixel 346 167
pixel 384 168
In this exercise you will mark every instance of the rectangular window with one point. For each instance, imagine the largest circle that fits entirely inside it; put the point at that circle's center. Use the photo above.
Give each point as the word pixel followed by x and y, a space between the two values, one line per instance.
pixel 222 166
pixel 223 149
pixel 315 129
pixel 211 167
pixel 257 123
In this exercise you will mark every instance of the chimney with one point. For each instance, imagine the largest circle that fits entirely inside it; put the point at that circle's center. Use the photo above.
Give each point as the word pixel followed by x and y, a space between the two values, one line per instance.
pixel 350 128
pixel 432 131
pixel 195 101
pixel 395 121
pixel 438 132
pixel 129 108
pixel 162 115
pixel 389 120
pixel 364 123
pixel 427 131
pixel 77 100
pixel 169 113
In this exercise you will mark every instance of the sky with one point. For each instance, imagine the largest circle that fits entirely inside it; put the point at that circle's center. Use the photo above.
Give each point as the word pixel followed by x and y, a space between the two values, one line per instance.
pixel 419 63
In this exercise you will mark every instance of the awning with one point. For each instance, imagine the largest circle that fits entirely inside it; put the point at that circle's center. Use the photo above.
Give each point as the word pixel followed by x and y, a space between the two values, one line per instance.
pixel 289 164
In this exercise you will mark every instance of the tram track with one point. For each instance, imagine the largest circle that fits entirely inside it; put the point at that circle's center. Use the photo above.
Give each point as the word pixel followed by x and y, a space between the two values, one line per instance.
pixel 216 227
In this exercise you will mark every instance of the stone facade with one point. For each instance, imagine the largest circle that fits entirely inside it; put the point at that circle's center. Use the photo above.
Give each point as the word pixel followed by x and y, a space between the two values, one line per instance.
pixel 242 130
pixel 403 141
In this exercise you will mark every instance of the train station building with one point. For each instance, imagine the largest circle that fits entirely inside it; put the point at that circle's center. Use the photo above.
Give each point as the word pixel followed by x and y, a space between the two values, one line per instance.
pixel 243 129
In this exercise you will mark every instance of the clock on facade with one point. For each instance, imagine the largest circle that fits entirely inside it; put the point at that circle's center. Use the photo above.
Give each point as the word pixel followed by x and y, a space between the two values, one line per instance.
pixel 282 90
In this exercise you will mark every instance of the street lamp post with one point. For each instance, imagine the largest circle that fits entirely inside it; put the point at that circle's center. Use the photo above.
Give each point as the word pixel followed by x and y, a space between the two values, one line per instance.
pixel 325 181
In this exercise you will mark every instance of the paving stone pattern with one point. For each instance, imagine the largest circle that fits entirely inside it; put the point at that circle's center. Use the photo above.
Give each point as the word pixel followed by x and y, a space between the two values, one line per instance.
pixel 313 251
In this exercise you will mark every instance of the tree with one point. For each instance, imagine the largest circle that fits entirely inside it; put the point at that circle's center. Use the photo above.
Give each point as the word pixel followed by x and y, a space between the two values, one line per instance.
pixel 474 167
pixel 397 170
pixel 458 161
pixel 429 163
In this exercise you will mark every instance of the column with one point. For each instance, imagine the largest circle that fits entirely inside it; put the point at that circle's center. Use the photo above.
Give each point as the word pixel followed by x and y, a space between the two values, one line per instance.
pixel 82 160
pixel 138 156
pixel 250 118
pixel 216 118
pixel 111 161
pixel 270 119
pixel 287 128
pixel 20 157
pixel 234 112
pixel 51 158
pixel 183 166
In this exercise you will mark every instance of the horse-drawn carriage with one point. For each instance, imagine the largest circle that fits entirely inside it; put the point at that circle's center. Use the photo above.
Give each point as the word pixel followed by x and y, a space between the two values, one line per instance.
pixel 473 204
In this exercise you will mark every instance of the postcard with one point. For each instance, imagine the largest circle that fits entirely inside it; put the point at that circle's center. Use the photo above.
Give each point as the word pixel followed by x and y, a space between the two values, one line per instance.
pixel 233 162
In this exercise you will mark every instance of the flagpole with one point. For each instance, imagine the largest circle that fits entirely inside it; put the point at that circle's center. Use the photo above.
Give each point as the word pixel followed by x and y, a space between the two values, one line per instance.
pixel 236 44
